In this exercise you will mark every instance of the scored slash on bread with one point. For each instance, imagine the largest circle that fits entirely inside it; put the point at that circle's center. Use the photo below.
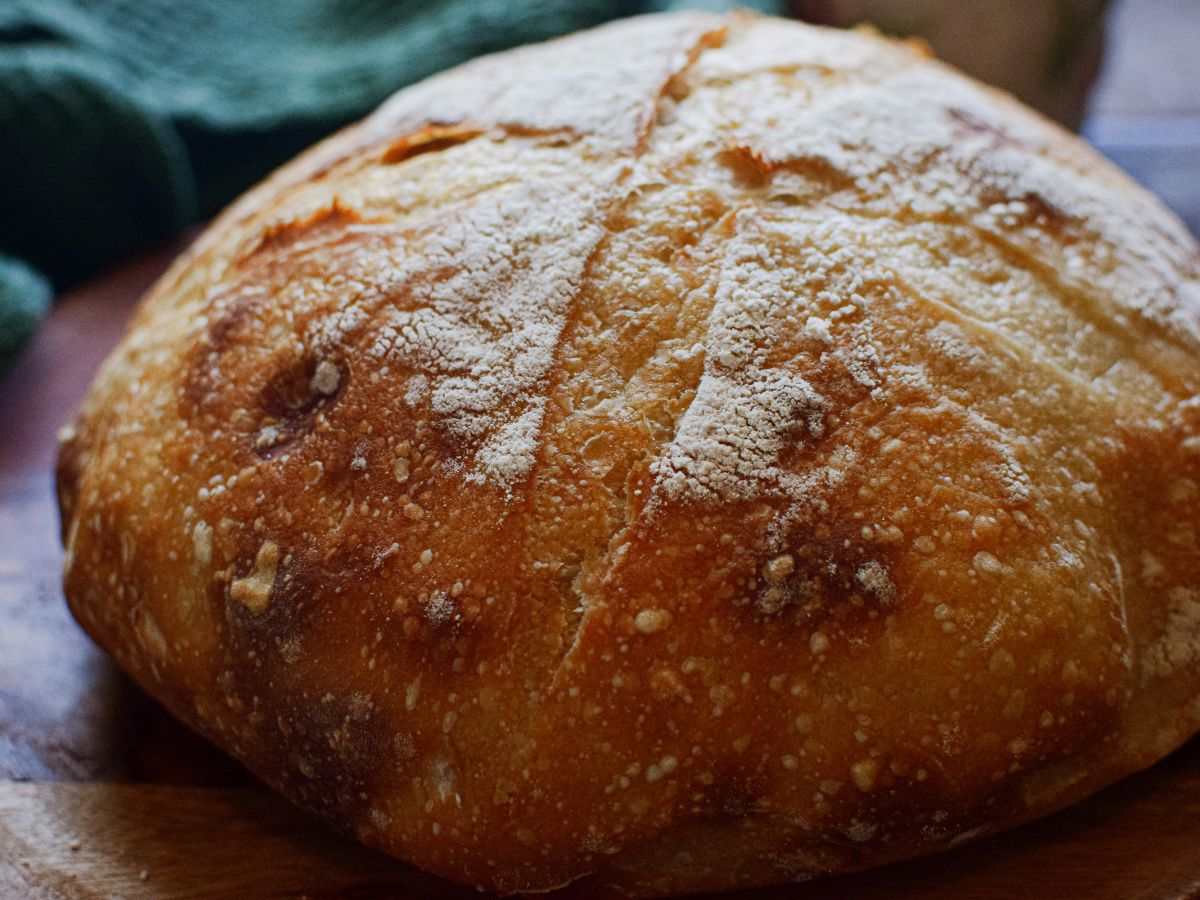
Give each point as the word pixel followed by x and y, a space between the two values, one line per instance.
pixel 702 452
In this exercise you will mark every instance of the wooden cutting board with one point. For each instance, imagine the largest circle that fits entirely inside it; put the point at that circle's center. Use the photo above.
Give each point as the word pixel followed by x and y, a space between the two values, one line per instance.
pixel 102 794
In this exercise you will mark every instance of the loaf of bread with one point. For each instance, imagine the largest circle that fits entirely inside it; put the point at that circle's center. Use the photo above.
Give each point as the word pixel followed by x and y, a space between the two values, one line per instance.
pixel 700 452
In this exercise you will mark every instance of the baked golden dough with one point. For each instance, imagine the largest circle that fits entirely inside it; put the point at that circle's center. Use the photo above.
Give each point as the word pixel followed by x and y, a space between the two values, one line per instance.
pixel 700 452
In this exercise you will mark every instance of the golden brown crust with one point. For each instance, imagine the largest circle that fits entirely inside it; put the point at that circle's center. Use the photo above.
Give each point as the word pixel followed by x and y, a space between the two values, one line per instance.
pixel 692 454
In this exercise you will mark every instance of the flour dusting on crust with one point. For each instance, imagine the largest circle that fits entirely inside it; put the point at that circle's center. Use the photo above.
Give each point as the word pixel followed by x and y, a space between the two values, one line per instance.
pixel 744 411
pixel 492 289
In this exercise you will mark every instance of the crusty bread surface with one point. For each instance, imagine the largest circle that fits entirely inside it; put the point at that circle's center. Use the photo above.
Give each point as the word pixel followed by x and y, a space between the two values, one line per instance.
pixel 701 452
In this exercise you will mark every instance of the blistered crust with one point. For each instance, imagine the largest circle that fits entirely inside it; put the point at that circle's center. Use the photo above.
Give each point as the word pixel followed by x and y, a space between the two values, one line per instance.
pixel 696 453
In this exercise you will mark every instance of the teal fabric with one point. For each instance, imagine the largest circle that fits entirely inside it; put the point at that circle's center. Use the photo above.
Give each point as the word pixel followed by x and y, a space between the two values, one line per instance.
pixel 121 121
pixel 24 297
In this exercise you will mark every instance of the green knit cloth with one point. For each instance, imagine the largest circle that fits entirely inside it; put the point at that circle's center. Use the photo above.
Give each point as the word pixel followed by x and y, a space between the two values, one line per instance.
pixel 122 121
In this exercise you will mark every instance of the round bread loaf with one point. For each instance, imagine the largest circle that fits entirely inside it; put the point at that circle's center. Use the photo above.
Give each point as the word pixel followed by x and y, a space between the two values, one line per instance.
pixel 700 452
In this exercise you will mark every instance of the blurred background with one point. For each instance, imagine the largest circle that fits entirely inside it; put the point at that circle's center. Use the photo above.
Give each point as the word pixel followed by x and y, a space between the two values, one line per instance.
pixel 125 122
pixel 1145 111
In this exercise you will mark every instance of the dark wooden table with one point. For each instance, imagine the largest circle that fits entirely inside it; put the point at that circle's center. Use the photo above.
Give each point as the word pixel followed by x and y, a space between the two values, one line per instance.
pixel 102 794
